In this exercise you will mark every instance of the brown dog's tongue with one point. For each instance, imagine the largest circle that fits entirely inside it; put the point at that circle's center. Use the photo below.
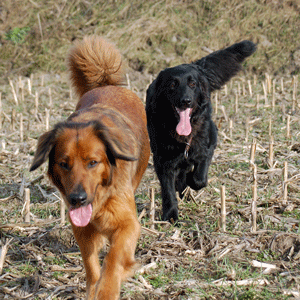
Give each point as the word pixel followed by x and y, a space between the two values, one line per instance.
pixel 81 216
pixel 184 126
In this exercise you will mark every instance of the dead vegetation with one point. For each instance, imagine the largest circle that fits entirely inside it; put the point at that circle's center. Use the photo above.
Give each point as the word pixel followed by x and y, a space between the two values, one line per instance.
pixel 35 35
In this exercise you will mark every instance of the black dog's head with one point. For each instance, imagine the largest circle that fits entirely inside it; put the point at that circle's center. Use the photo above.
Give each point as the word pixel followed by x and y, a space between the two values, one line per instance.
pixel 187 88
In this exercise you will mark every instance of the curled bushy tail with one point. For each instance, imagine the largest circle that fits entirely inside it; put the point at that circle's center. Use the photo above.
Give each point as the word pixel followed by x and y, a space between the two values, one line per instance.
pixel 94 62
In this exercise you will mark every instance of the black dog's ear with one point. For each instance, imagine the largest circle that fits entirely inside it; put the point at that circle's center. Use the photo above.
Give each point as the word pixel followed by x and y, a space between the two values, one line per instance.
pixel 220 66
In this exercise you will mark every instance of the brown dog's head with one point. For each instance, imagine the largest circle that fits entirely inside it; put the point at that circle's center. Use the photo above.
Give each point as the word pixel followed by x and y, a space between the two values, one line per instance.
pixel 81 160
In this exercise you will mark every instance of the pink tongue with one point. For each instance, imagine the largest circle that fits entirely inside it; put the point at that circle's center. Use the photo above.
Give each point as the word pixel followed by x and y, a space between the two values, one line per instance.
pixel 184 126
pixel 81 216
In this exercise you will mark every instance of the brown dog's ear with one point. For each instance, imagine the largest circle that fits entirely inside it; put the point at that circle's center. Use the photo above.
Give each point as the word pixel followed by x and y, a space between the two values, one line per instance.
pixel 45 145
pixel 119 142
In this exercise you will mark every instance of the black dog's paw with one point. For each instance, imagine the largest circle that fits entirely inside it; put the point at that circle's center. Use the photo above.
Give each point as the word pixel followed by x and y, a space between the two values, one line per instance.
pixel 170 215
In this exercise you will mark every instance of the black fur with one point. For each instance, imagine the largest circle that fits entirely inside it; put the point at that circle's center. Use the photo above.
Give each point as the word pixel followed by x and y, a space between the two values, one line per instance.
pixel 187 86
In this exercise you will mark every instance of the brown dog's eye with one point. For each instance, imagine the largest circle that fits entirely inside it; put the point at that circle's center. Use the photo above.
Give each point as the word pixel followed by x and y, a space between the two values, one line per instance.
pixel 64 165
pixel 92 164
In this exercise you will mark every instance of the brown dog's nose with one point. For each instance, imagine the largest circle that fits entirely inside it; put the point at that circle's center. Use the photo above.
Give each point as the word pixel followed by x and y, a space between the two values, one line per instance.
pixel 78 198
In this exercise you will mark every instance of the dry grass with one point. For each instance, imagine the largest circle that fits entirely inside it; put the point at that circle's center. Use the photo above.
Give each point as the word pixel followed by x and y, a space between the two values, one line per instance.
pixel 151 35
pixel 194 260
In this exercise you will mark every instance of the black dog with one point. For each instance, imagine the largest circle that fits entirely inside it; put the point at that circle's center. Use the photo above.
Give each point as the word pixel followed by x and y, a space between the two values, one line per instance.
pixel 182 135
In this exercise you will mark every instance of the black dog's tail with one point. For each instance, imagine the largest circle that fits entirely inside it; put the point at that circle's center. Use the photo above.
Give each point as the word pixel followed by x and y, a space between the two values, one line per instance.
pixel 220 66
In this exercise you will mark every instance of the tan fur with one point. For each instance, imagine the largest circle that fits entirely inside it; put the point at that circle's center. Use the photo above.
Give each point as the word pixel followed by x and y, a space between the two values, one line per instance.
pixel 94 62
pixel 109 128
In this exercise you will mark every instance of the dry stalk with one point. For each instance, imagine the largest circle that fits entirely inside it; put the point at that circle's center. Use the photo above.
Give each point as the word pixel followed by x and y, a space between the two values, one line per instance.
pixel 288 121
pixel 265 94
pixel 273 95
pixel 230 127
pixel 216 102
pixel 40 25
pixel 247 129
pixel 50 98
pixel 14 92
pixel 236 103
pixel 0 110
pixel 250 87
pixel 254 80
pixel 254 200
pixel 62 212
pixel 128 81
pixel 36 102
pixel 21 129
pixel 294 99
pixel 270 126
pixel 152 208
pixel 252 151
pixel 27 205
pixel 3 253
pixel 281 84
pixel 29 86
pixel 13 119
pixel 284 183
pixel 47 118
pixel 257 102
pixel 223 209
pixel 271 152
pixel 224 112
pixel 244 89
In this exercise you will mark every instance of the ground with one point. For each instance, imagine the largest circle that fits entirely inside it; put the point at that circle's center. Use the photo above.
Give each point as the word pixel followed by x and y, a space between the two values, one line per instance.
pixel 194 259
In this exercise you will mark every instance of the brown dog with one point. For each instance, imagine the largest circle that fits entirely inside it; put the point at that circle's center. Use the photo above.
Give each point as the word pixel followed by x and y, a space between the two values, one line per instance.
pixel 96 159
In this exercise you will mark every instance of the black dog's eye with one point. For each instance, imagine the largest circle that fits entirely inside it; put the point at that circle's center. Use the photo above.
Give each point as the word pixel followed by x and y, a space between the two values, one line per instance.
pixel 192 84
pixel 92 164
pixel 64 165
pixel 173 84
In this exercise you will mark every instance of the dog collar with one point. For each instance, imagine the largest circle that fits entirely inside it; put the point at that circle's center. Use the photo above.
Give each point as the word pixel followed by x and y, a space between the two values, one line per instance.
pixel 187 147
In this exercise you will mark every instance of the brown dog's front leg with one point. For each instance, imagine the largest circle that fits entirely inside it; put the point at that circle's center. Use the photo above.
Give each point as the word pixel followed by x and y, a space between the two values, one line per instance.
pixel 119 262
pixel 90 242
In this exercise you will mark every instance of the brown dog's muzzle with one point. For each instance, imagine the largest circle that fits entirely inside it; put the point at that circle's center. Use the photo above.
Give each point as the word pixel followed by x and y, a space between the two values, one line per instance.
pixel 78 197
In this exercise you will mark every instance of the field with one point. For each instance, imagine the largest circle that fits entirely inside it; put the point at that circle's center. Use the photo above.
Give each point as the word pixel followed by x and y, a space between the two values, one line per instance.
pixel 197 258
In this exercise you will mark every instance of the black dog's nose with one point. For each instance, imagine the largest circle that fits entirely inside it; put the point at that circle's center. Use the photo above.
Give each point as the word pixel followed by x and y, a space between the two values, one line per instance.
pixel 186 101
pixel 78 198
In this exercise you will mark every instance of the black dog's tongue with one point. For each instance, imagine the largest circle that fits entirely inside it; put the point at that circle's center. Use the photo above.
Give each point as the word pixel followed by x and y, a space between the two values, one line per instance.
pixel 184 126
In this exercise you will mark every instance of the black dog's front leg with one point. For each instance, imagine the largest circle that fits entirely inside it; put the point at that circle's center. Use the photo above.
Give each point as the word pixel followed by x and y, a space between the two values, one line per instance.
pixel 166 177
pixel 198 178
